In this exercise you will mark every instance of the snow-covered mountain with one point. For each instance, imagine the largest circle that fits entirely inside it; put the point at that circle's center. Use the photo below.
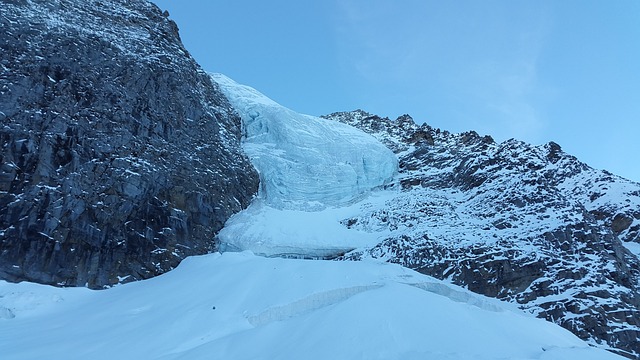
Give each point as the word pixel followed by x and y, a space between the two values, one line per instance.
pixel 530 225
pixel 121 157
pixel 526 224
pixel 243 306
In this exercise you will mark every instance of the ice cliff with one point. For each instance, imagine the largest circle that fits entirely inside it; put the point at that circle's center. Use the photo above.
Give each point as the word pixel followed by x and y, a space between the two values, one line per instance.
pixel 306 162
pixel 312 172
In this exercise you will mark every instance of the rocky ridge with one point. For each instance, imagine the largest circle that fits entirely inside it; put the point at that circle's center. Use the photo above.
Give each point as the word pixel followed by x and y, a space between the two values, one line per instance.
pixel 527 224
pixel 119 156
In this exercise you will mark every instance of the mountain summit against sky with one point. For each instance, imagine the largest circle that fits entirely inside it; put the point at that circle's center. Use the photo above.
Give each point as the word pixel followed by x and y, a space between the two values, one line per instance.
pixel 121 157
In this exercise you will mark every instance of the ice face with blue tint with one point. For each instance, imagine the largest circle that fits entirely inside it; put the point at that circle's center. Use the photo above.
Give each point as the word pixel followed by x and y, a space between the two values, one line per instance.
pixel 305 162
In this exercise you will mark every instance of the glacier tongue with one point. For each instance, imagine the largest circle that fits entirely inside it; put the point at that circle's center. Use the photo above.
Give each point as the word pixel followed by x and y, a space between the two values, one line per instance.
pixel 313 172
pixel 306 162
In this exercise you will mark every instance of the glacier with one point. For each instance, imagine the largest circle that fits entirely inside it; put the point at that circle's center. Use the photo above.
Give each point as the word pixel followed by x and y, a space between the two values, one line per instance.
pixel 306 162
pixel 313 173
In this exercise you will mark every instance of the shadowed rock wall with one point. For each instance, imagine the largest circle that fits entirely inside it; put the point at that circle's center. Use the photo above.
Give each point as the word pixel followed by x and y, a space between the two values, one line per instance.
pixel 119 155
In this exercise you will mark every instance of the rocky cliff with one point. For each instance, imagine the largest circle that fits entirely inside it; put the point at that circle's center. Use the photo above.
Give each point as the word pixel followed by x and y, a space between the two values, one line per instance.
pixel 119 155
pixel 527 224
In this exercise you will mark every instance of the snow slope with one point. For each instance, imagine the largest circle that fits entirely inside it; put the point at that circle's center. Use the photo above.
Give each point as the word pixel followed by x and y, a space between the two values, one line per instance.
pixel 314 172
pixel 240 306
pixel 270 231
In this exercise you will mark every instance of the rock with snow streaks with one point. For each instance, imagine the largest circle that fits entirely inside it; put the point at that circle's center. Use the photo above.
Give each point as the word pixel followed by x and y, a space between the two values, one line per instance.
pixel 119 155
pixel 527 224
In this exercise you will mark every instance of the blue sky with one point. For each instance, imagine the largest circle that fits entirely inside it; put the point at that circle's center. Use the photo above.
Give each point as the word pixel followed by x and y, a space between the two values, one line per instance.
pixel 565 71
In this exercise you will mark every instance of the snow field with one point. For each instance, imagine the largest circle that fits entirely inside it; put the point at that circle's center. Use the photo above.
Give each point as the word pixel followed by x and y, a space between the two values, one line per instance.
pixel 241 306
pixel 270 231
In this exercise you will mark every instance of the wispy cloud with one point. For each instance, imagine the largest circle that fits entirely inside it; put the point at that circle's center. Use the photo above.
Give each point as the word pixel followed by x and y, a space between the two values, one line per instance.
pixel 485 58
pixel 513 87
pixel 377 38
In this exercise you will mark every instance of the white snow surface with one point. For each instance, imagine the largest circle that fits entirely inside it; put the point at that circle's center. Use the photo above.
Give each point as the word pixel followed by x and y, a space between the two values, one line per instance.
pixel 241 306
pixel 313 173
pixel 270 231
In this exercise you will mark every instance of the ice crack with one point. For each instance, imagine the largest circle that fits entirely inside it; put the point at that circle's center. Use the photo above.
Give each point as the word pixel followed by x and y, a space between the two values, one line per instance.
pixel 308 304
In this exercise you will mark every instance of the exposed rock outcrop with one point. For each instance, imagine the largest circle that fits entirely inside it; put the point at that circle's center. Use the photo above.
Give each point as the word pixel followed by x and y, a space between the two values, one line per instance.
pixel 119 155
pixel 527 224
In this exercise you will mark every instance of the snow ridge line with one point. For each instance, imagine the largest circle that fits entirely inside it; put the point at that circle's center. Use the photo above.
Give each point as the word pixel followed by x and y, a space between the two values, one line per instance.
pixel 457 296
pixel 308 304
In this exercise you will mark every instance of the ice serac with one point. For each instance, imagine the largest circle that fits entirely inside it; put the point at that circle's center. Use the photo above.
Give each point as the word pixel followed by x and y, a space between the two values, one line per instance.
pixel 119 157
pixel 306 162
pixel 243 307
pixel 313 172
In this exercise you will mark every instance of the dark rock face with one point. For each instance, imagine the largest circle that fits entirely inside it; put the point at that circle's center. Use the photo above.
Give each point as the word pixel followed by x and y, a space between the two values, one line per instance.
pixel 526 224
pixel 119 155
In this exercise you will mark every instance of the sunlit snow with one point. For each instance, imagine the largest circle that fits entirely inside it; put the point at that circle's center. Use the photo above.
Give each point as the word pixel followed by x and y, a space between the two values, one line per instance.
pixel 240 306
